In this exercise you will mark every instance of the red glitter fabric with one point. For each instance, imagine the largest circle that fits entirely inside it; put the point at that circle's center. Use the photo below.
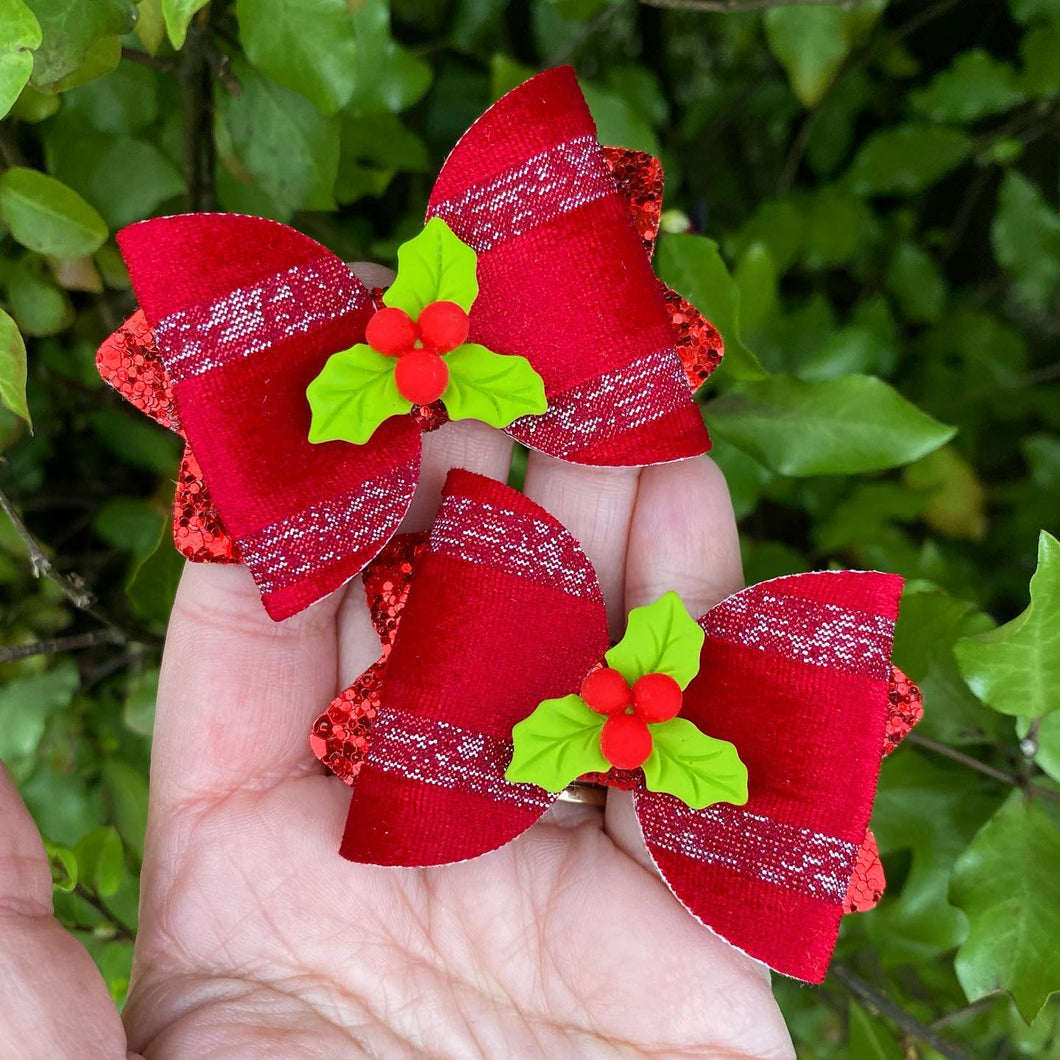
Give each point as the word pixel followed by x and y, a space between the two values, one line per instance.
pixel 773 877
pixel 244 312
pixel 905 709
pixel 639 177
pixel 130 362
pixel 867 881
pixel 339 737
pixel 198 531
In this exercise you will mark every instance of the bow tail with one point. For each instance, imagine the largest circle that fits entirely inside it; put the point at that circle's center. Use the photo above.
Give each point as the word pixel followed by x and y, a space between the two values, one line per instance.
pixel 238 315
pixel 504 611
pixel 812 654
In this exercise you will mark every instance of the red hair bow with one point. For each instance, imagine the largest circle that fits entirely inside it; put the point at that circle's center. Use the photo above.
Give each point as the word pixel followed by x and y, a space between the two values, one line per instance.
pixel 504 610
pixel 239 314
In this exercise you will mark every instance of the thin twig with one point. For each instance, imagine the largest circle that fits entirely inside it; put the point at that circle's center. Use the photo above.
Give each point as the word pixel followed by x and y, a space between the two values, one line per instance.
pixel 168 66
pixel 72 586
pixel 197 117
pixel 981 767
pixel 728 7
pixel 121 930
pixel 879 1003
pixel 51 645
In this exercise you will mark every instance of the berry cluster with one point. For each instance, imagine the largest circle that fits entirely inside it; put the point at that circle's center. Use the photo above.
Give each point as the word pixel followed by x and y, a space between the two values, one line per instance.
pixel 421 374
pixel 625 739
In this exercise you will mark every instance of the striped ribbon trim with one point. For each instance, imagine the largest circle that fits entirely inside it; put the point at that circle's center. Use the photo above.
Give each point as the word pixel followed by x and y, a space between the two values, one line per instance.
pixel 798 859
pixel 447 756
pixel 286 551
pixel 551 183
pixel 252 319
pixel 502 539
pixel 615 403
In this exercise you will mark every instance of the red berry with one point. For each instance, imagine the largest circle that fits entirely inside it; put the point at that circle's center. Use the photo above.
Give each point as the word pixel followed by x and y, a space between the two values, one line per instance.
pixel 606 691
pixel 421 376
pixel 443 326
pixel 625 741
pixel 656 697
pixel 390 331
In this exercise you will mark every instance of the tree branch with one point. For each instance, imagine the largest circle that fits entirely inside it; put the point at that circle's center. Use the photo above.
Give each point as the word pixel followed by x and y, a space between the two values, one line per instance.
pixel 981 767
pixel 728 7
pixel 881 1005
pixel 121 929
pixel 168 66
pixel 51 645
pixel 197 115
pixel 73 587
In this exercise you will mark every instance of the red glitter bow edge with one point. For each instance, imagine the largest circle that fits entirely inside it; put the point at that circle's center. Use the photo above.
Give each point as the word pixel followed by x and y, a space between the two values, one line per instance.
pixel 239 313
pixel 811 652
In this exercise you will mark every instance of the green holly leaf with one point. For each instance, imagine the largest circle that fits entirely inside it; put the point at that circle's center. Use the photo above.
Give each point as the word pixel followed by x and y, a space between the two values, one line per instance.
pixel 21 36
pixel 1007 883
pixel 434 267
pixel 491 387
pixel 694 767
pixel 353 395
pixel 661 638
pixel 1016 668
pixel 557 744
pixel 45 215
pixel 13 368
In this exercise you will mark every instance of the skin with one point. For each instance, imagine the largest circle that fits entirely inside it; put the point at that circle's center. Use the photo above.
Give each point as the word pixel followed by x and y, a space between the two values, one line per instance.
pixel 257 941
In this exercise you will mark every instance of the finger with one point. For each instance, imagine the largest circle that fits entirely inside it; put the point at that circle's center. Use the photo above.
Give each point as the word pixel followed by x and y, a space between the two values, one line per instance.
pixel 55 1002
pixel 237 692
pixel 682 537
pixel 595 504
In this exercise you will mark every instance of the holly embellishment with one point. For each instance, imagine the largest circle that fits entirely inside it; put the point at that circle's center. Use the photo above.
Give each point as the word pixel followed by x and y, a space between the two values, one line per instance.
pixel 626 716
pixel 416 352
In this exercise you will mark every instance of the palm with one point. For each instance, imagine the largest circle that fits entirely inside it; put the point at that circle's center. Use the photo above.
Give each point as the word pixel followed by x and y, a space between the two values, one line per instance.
pixel 257 940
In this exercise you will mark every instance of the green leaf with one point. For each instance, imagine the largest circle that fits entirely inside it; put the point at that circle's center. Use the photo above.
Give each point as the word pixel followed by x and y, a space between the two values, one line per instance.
pixel 811 43
pixel 63 864
pixel 40 308
pixel 354 393
pixel 283 143
pixel 150 25
pixel 125 789
pixel 13 369
pixel 389 77
pixel 25 704
pixel 1041 71
pixel 125 101
pixel 955 502
pixel 152 584
pixel 660 638
pixel 618 122
pixel 1030 10
pixel 100 861
pixel 47 216
pixel 19 35
pixel 556 744
pixel 907 159
pixel 975 86
pixel 1007 883
pixel 925 814
pixel 1016 668
pixel 869 1039
pixel 694 767
pixel 77 34
pixel 692 266
pixel 833 427
pixel 178 14
pixel 494 388
pixel 1026 239
pixel 916 282
pixel 308 46
pixel 435 266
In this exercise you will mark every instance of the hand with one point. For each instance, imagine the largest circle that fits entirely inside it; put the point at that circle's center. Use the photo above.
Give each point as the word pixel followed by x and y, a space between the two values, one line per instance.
pixel 257 941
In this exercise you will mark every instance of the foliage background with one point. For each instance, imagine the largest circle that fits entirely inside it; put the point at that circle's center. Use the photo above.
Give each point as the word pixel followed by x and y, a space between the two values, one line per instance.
pixel 853 191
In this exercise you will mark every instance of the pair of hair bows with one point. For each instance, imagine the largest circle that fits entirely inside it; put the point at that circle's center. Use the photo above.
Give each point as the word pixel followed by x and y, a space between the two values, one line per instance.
pixel 751 737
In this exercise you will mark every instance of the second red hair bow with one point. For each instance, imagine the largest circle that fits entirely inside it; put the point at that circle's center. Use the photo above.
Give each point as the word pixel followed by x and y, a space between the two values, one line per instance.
pixel 504 611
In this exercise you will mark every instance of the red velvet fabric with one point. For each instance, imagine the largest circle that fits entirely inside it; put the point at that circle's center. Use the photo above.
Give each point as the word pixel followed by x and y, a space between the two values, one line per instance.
pixel 796 672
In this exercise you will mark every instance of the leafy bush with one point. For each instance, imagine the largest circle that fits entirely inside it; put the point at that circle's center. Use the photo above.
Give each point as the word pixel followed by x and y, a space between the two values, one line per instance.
pixel 861 196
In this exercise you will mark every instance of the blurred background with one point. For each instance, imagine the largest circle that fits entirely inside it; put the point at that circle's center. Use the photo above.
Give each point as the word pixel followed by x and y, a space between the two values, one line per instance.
pixel 861 196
